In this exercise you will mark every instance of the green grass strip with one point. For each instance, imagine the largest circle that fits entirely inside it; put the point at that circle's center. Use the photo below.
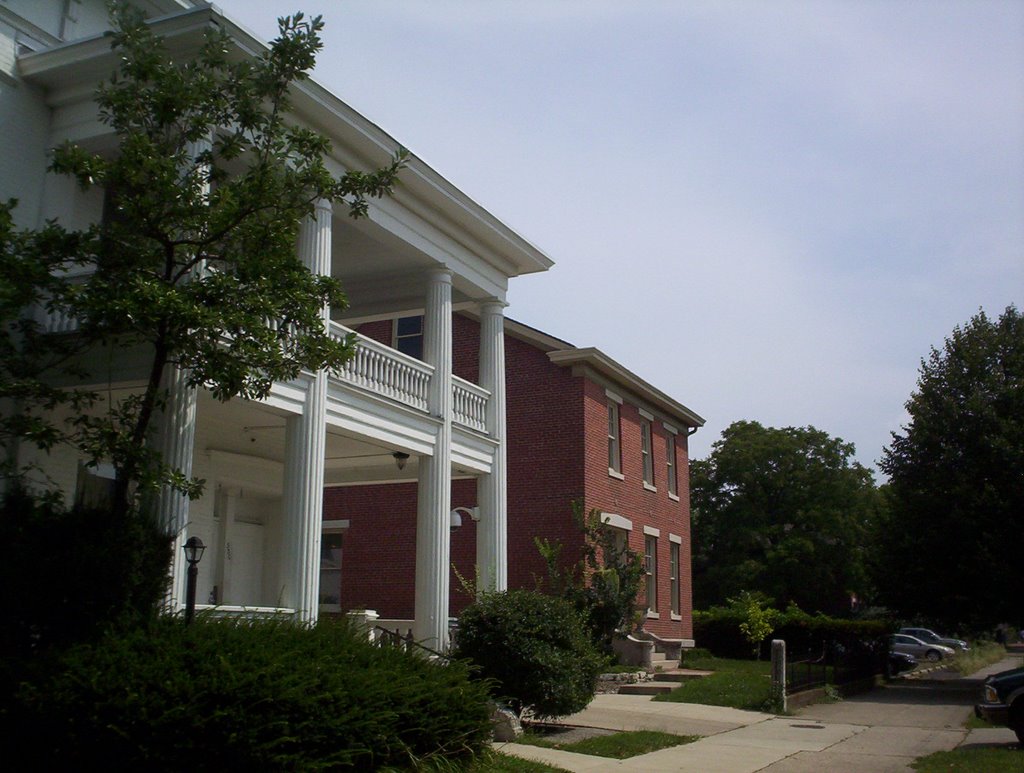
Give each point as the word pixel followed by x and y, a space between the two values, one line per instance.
pixel 618 746
pixel 977 760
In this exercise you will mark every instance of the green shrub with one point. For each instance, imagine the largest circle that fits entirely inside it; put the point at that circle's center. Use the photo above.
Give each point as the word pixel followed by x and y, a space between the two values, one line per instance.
pixel 245 695
pixel 534 648
pixel 68 574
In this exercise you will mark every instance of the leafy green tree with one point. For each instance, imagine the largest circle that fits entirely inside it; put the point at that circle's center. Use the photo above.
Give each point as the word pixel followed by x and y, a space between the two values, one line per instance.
pixel 759 618
pixel 603 584
pixel 195 264
pixel 782 511
pixel 951 549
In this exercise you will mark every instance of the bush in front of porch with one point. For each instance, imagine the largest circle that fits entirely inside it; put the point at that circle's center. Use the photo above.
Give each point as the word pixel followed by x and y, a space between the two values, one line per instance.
pixel 534 648
pixel 244 695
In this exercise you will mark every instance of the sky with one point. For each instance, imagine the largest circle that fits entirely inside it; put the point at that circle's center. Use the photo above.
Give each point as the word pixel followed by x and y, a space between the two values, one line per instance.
pixel 769 211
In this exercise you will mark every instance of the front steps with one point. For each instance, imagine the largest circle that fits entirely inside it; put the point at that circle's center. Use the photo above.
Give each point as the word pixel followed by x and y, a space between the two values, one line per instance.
pixel 667 676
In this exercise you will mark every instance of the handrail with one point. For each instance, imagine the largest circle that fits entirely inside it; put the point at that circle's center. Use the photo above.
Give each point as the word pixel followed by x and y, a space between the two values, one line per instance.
pixel 383 370
pixel 469 404
pixel 406 642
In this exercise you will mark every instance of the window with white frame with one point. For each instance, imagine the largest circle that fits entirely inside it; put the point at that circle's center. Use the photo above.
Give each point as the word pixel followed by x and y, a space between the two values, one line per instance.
pixel 673 572
pixel 670 463
pixel 331 544
pixel 614 453
pixel 651 571
pixel 646 451
pixel 408 336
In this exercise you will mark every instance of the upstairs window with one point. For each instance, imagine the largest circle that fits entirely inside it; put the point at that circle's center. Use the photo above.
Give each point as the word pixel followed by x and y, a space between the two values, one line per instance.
pixel 646 452
pixel 614 454
pixel 408 336
pixel 670 464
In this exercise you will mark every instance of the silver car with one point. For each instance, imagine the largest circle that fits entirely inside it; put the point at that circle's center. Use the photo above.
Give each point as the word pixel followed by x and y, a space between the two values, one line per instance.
pixel 930 637
pixel 911 645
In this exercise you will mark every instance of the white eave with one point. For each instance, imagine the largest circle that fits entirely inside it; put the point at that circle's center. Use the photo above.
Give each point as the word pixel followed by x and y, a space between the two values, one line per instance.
pixel 598 362
pixel 356 141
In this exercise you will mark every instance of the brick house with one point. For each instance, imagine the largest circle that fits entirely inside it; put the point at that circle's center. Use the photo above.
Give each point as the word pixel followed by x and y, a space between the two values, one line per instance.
pixel 579 425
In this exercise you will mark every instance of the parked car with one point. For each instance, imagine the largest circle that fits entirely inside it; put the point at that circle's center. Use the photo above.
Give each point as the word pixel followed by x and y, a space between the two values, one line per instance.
pixel 911 645
pixel 1003 701
pixel 930 637
pixel 900 662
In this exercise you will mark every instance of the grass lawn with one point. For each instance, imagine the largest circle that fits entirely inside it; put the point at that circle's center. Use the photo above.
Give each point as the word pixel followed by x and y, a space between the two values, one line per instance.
pixel 972 761
pixel 496 762
pixel 618 746
pixel 979 656
pixel 741 684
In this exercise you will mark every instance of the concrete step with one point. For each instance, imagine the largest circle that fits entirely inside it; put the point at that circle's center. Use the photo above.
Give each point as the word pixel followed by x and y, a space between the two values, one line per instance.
pixel 679 675
pixel 647 688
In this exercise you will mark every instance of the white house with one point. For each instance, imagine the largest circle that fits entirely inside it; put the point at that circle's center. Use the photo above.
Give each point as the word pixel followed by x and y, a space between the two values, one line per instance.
pixel 427 250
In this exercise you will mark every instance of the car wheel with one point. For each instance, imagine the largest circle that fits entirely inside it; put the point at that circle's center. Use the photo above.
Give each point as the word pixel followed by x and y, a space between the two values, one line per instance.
pixel 934 656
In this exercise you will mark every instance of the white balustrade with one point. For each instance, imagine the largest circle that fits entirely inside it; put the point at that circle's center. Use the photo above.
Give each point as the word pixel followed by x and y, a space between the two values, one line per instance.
pixel 469 404
pixel 384 371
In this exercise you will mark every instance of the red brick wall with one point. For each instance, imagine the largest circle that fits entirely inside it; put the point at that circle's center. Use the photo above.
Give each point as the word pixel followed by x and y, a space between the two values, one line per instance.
pixel 630 499
pixel 551 462
pixel 378 569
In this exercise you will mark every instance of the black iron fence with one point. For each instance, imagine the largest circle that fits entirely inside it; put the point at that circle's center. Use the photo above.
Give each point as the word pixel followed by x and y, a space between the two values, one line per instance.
pixel 833 661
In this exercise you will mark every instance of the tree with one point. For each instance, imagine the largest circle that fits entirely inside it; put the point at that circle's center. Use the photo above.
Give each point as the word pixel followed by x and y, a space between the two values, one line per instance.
pixel 951 549
pixel 604 583
pixel 195 262
pixel 780 511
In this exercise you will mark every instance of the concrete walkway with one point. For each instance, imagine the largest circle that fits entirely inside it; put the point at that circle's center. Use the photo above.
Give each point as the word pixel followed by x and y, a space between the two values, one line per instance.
pixel 879 732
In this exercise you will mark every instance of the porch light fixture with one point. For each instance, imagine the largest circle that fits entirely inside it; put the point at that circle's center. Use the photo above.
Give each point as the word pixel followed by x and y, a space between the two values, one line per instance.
pixel 194 549
pixel 400 459
pixel 456 516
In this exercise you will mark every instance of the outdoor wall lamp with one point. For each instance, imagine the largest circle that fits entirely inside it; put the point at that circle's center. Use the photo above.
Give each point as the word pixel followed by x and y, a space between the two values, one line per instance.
pixel 194 549
pixel 456 516
pixel 400 459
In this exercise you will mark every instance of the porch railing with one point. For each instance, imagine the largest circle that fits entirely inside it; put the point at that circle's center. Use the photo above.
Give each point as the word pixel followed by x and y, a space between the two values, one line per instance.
pixel 385 371
pixel 469 404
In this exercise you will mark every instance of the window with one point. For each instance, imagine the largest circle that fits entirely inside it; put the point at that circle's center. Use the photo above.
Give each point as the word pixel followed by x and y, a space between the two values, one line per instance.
pixel 651 570
pixel 673 571
pixel 330 571
pixel 670 463
pixel 331 543
pixel 645 452
pixel 94 489
pixel 408 337
pixel 614 455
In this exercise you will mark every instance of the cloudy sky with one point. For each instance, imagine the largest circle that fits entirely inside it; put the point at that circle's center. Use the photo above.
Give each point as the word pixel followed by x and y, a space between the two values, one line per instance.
pixel 771 211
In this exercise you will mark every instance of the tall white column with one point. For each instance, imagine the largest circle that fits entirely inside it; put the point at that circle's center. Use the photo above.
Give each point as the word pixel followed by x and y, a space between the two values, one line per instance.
pixel 305 440
pixel 433 537
pixel 492 493
pixel 175 442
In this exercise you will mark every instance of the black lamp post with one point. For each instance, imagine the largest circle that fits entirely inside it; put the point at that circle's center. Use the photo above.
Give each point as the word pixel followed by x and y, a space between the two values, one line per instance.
pixel 194 548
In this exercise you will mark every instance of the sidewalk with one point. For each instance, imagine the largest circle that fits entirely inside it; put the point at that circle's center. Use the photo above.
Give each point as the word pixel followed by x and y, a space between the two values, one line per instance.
pixel 880 732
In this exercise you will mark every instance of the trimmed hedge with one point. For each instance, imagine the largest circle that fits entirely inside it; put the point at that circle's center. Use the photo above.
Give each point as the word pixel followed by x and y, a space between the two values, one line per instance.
pixel 245 695
pixel 534 648
pixel 718 630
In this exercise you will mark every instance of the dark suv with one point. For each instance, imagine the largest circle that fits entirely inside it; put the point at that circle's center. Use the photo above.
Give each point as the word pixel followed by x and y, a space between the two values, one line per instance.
pixel 1003 701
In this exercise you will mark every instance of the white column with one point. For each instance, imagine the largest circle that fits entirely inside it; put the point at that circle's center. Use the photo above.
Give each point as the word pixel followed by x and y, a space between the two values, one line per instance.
pixel 175 442
pixel 305 440
pixel 492 494
pixel 433 537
